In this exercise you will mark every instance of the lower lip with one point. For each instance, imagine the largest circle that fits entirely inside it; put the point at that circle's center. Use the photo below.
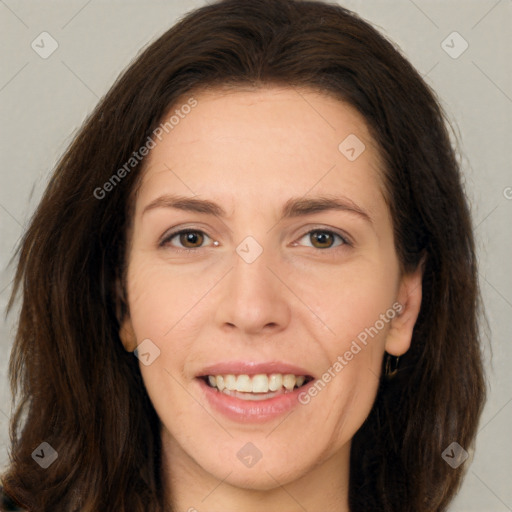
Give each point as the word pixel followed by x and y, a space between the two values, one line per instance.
pixel 246 411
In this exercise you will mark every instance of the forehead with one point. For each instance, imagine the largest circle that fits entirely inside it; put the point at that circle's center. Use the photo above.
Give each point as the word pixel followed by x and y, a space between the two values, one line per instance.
pixel 265 142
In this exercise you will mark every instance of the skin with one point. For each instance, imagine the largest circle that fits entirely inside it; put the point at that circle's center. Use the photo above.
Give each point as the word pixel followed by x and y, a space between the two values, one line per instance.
pixel 249 151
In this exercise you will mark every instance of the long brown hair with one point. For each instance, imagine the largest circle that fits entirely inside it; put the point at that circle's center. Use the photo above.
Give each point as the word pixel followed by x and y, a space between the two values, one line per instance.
pixel 80 391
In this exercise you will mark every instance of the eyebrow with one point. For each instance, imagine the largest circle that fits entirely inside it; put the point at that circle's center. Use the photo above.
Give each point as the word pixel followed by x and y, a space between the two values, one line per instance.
pixel 294 207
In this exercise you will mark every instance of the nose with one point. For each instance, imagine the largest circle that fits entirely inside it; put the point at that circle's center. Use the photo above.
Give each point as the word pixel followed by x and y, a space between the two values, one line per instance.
pixel 253 299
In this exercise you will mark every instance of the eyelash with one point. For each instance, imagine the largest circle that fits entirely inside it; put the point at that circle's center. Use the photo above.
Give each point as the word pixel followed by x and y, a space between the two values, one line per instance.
pixel 169 237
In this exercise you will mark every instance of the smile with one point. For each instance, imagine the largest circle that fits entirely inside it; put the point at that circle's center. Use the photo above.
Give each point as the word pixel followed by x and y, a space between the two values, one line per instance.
pixel 256 387
pixel 253 392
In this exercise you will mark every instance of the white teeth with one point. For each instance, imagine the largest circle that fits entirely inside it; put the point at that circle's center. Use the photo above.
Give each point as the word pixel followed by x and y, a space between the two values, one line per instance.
pixel 243 383
pixel 230 382
pixel 220 382
pixel 260 383
pixel 289 381
pixel 275 382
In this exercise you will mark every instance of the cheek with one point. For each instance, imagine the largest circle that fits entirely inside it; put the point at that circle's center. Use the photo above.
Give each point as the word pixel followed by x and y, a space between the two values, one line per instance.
pixel 357 360
pixel 350 298
pixel 356 304
pixel 162 298
pixel 166 307
pixel 343 396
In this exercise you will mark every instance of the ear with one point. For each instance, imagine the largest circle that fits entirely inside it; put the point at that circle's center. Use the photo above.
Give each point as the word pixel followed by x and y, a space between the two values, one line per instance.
pixel 409 296
pixel 126 332
pixel 127 335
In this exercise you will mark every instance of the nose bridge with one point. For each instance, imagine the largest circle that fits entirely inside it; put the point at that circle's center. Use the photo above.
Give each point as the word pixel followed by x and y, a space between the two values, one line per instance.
pixel 254 299
pixel 250 271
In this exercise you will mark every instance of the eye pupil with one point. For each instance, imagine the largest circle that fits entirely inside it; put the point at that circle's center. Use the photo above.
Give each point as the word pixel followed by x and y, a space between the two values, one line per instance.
pixel 192 237
pixel 323 238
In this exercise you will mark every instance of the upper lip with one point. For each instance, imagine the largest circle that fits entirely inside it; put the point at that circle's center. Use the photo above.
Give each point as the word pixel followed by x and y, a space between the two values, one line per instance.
pixel 252 368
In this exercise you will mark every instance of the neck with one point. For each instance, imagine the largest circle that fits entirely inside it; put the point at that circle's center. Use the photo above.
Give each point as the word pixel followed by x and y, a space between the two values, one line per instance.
pixel 190 488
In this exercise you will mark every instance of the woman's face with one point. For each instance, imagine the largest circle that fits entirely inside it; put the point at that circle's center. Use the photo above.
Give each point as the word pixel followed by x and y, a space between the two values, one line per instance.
pixel 272 288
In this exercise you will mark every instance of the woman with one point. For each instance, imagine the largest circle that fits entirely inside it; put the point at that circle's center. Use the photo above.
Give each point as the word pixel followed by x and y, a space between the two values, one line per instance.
pixel 251 282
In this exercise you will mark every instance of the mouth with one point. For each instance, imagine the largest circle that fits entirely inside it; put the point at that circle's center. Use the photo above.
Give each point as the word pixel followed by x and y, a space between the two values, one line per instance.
pixel 256 387
pixel 253 392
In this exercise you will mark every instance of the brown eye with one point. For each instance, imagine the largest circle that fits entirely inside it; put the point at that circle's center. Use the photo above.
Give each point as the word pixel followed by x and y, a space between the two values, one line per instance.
pixel 186 239
pixel 321 239
pixel 191 239
pixel 324 239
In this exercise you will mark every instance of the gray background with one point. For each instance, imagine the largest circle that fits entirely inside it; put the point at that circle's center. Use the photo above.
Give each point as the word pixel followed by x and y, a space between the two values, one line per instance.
pixel 44 101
